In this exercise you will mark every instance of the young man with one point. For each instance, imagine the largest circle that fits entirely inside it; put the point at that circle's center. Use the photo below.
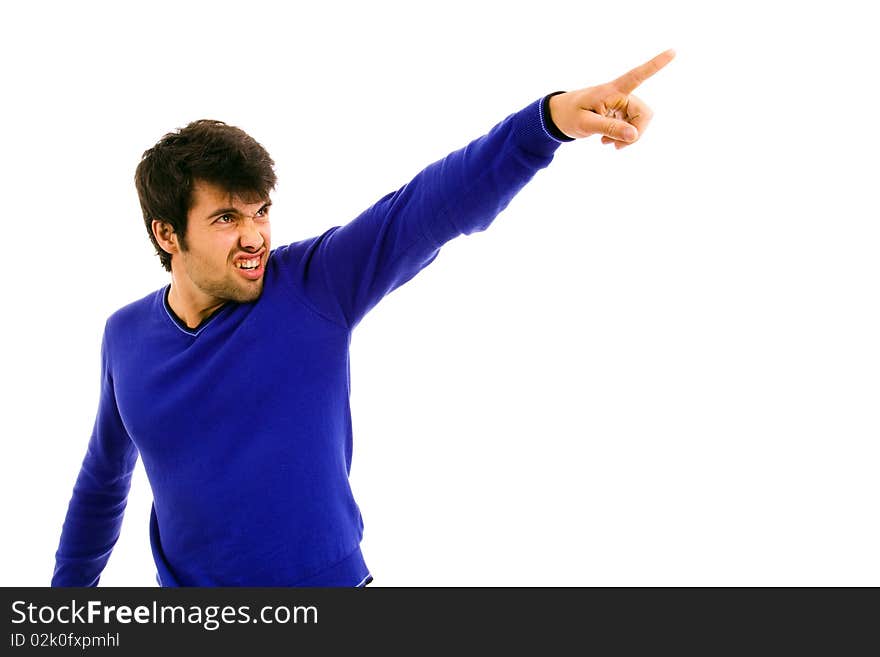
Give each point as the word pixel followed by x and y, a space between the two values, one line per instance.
pixel 232 382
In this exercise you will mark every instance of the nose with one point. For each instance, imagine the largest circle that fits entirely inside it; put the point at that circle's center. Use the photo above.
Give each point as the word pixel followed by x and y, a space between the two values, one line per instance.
pixel 250 236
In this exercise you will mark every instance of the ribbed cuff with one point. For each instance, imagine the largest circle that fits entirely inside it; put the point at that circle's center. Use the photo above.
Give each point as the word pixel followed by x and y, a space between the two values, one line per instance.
pixel 547 120
pixel 531 132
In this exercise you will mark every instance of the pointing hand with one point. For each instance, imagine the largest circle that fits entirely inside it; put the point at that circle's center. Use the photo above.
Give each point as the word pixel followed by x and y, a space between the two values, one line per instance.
pixel 608 109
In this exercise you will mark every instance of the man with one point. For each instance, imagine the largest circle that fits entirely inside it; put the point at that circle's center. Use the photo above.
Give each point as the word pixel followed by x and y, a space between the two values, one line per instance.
pixel 232 382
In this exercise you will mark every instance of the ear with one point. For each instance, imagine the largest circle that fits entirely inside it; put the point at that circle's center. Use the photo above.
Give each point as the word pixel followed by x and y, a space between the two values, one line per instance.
pixel 165 236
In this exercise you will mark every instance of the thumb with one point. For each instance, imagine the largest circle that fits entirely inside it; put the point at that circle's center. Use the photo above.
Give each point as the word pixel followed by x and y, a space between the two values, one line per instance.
pixel 613 128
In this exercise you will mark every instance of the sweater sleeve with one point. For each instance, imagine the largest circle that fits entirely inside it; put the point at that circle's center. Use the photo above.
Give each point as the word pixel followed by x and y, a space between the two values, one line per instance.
pixel 350 268
pixel 94 516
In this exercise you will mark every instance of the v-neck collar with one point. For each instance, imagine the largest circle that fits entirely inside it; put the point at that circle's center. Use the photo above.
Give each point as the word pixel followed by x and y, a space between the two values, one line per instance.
pixel 180 324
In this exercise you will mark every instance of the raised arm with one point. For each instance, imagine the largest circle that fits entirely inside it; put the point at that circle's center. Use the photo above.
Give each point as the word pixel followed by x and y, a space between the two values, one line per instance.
pixel 94 516
pixel 349 268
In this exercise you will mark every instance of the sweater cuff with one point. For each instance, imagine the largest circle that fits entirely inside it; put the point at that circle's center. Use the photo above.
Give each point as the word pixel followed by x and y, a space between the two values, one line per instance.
pixel 531 131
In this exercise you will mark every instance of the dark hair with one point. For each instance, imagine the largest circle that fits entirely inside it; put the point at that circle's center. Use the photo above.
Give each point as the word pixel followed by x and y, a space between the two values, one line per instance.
pixel 207 150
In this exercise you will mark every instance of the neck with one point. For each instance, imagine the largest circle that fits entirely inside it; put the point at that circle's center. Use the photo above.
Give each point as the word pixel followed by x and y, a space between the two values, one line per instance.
pixel 191 305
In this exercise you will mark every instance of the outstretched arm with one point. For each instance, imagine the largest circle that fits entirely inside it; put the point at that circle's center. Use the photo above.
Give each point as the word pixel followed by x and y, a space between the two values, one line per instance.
pixel 348 269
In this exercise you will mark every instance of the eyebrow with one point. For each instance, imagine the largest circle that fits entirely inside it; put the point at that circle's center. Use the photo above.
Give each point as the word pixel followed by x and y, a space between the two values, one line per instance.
pixel 223 211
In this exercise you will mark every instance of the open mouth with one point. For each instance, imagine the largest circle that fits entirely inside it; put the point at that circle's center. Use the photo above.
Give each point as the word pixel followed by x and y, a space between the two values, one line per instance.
pixel 250 268
pixel 248 265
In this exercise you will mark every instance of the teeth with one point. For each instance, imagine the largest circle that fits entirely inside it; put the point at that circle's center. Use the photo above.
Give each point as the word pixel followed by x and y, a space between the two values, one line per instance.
pixel 248 264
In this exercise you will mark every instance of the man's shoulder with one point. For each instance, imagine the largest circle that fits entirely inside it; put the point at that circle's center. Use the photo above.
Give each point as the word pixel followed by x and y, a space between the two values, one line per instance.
pixel 291 254
pixel 135 312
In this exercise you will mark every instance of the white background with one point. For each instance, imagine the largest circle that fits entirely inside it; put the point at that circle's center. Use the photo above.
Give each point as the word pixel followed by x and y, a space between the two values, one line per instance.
pixel 659 366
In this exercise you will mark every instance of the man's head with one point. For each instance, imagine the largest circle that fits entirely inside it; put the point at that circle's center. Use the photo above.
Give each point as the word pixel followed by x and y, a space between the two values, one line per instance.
pixel 204 192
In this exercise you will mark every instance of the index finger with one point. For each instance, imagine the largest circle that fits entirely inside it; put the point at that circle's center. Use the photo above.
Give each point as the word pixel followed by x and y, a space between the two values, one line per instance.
pixel 627 82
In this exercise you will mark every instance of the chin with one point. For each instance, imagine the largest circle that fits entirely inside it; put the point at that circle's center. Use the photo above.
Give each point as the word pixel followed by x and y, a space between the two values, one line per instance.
pixel 240 294
pixel 248 296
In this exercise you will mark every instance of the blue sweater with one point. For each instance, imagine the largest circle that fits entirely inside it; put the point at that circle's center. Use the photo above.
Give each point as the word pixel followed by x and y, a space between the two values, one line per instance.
pixel 250 482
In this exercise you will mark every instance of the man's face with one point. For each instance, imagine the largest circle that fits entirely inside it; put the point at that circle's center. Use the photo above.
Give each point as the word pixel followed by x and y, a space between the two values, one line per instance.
pixel 224 232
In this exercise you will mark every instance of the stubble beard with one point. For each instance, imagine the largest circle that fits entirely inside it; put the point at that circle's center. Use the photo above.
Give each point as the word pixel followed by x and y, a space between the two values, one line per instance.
pixel 244 292
pixel 228 288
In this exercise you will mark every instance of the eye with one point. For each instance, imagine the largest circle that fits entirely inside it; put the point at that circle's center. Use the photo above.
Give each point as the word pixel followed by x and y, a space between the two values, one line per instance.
pixel 263 211
pixel 224 216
